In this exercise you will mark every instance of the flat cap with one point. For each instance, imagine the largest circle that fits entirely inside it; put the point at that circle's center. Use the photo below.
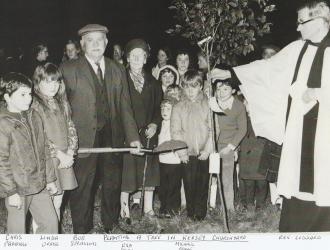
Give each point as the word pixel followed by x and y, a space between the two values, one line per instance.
pixel 92 28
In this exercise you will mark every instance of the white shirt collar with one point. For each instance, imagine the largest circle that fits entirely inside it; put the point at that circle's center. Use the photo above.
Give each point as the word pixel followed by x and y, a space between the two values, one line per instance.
pixel 226 104
pixel 94 65
pixel 164 89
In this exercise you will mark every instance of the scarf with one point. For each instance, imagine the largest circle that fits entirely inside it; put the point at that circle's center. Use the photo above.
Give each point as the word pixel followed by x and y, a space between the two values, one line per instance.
pixel 138 80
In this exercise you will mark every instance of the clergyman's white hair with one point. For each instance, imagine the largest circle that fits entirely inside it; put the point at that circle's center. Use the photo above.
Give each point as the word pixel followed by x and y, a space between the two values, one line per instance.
pixel 317 8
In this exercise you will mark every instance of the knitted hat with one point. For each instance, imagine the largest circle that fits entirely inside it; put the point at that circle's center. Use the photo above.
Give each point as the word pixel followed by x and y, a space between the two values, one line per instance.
pixel 136 43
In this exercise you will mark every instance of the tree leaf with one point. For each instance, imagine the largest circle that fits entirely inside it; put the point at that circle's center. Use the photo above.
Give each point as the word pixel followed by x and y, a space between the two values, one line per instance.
pixel 172 7
pixel 169 31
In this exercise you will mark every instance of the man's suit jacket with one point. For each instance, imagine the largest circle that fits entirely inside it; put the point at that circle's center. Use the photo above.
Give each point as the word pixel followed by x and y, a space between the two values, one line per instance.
pixel 80 88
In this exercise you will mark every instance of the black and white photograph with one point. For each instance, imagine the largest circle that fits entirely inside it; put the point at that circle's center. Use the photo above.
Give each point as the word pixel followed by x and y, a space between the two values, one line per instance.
pixel 164 116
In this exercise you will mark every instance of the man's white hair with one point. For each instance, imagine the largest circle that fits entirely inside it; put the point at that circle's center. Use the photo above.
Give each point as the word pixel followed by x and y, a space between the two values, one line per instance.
pixel 317 8
pixel 82 40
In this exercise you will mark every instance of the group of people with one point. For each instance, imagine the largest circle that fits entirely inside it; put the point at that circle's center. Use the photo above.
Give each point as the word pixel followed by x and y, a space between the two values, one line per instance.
pixel 269 119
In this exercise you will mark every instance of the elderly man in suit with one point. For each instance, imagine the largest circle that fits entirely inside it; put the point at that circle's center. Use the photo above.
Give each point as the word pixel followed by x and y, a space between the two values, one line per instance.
pixel 101 110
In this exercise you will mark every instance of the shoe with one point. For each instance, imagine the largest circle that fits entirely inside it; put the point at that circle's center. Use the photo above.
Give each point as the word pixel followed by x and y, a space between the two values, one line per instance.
pixel 161 215
pixel 199 218
pixel 168 216
pixel 150 214
pixel 191 217
pixel 258 208
pixel 135 206
pixel 250 208
pixel 108 230
pixel 278 206
pixel 164 215
pixel 127 221
pixel 242 208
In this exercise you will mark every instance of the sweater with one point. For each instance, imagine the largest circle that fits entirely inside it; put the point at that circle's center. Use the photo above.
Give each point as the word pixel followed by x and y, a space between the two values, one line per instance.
pixel 165 135
pixel 232 125
pixel 190 123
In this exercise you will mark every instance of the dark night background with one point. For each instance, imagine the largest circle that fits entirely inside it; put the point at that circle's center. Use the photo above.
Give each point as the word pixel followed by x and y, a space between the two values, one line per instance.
pixel 24 22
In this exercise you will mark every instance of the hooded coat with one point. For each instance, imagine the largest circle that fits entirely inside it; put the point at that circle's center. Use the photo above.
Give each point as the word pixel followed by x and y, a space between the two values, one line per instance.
pixel 25 163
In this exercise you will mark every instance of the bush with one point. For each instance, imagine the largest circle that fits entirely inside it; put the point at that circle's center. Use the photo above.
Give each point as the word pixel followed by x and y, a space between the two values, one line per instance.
pixel 232 25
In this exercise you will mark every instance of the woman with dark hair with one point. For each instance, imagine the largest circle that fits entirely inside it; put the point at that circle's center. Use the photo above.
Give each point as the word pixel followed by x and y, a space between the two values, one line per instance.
pixel 202 62
pixel 182 62
pixel 39 57
pixel 118 53
pixel 40 52
pixel 71 50
pixel 163 56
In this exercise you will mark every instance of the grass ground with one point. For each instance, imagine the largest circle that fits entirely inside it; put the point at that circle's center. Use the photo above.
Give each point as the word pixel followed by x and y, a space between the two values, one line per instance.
pixel 262 221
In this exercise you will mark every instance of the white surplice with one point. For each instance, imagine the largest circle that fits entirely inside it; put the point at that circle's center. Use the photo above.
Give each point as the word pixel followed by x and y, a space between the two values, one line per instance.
pixel 266 84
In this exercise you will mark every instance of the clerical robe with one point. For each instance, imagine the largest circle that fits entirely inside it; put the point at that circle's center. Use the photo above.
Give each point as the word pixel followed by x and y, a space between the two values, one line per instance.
pixel 274 90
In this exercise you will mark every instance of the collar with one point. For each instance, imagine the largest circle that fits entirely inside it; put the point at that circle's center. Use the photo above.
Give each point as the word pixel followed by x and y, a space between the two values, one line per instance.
pixel 21 116
pixel 324 40
pixel 228 104
pixel 312 43
pixel 164 89
pixel 95 66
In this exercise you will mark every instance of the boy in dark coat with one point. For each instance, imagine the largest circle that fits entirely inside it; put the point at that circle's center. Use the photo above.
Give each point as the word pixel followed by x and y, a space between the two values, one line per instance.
pixel 27 176
pixel 253 185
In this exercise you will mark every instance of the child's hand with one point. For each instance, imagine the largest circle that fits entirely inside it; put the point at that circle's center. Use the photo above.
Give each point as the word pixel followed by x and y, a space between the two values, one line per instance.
pixel 183 155
pixel 70 152
pixel 203 155
pixel 51 188
pixel 184 158
pixel 66 160
pixel 15 201
pixel 151 130
pixel 60 166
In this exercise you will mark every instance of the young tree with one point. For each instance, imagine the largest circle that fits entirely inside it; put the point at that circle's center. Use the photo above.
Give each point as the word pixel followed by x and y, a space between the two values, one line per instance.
pixel 226 29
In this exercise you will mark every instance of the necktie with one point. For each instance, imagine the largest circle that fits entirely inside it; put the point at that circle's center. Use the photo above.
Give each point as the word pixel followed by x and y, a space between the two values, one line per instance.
pixel 99 73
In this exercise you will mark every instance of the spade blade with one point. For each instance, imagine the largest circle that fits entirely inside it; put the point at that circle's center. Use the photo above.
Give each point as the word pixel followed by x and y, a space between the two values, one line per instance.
pixel 171 145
